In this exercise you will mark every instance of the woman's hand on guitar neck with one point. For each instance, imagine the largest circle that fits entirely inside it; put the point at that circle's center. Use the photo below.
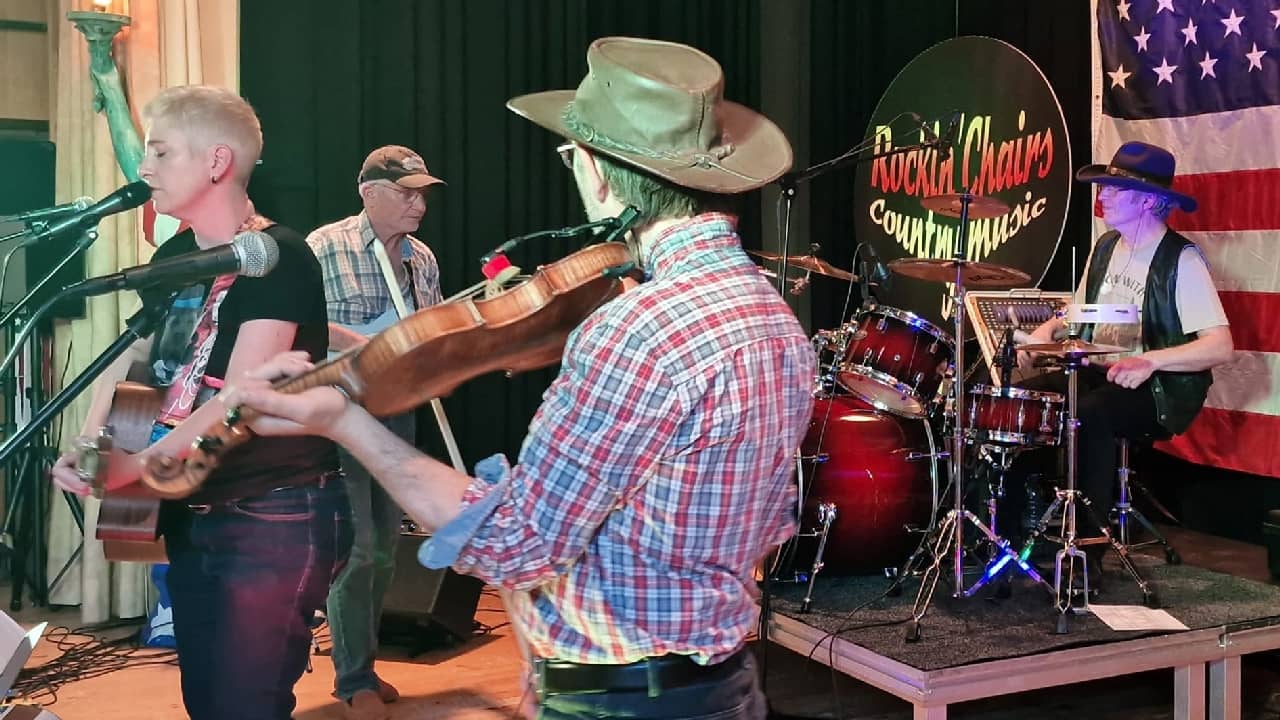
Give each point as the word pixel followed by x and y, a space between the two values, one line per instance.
pixel 317 411
pixel 122 469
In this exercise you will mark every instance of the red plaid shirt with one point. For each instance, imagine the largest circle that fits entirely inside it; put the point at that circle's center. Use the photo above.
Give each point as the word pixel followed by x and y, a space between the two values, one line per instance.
pixel 658 469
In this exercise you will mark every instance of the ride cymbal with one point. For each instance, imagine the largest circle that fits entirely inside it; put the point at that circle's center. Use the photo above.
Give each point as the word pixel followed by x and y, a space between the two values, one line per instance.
pixel 974 274
pixel 979 207
pixel 811 263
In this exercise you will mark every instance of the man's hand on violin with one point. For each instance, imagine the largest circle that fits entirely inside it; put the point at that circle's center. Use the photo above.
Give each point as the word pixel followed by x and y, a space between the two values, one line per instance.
pixel 316 411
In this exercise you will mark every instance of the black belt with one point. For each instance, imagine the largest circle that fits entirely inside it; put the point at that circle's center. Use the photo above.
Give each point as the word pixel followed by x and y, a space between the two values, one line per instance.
pixel 319 483
pixel 652 674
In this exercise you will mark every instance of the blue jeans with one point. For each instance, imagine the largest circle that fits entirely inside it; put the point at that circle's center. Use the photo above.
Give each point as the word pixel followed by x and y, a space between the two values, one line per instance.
pixel 355 601
pixel 247 577
pixel 732 694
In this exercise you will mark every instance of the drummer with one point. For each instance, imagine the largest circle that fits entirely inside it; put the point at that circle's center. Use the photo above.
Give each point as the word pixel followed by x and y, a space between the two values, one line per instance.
pixel 1158 385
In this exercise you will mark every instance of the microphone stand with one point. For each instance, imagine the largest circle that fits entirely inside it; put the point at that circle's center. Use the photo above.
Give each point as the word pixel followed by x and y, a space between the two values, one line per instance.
pixel 789 184
pixel 138 326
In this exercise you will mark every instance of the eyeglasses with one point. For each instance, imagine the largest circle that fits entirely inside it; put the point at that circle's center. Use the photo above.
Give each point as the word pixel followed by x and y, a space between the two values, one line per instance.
pixel 566 153
pixel 404 195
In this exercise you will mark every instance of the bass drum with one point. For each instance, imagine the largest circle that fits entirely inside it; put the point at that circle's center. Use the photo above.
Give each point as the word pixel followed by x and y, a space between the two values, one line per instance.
pixel 860 461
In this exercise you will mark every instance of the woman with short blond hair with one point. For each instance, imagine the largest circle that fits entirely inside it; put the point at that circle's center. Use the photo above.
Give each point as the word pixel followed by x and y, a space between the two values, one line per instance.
pixel 253 550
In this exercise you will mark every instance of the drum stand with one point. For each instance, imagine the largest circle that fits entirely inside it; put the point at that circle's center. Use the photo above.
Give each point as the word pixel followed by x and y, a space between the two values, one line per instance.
pixel 1067 500
pixel 950 540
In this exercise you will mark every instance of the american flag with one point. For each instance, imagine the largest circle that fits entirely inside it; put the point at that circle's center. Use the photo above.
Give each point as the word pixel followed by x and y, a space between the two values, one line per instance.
pixel 1202 78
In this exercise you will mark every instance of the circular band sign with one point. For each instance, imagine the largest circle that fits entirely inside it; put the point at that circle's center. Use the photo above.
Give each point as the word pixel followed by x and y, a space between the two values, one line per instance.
pixel 1009 143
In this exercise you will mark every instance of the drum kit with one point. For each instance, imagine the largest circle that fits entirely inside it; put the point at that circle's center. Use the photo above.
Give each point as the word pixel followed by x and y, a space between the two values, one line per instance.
pixel 868 465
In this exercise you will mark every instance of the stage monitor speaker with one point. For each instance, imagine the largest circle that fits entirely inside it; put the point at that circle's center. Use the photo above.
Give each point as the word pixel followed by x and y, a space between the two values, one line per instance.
pixel 439 599
pixel 26 183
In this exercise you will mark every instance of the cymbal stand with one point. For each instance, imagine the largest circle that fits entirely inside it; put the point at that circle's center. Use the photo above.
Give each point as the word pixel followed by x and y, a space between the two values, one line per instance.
pixel 1067 500
pixel 951 532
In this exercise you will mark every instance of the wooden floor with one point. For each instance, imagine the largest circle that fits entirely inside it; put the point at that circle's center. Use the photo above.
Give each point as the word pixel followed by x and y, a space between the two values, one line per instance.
pixel 481 678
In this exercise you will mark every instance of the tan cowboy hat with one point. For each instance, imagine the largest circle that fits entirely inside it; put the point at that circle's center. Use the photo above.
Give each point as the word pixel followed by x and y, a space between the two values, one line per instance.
pixel 660 107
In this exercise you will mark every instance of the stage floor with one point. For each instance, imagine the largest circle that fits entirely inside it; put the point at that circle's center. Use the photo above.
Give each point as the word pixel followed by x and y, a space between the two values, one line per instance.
pixel 481 678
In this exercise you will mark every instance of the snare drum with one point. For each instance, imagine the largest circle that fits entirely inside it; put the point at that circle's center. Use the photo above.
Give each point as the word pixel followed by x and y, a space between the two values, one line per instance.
pixel 1013 416
pixel 895 360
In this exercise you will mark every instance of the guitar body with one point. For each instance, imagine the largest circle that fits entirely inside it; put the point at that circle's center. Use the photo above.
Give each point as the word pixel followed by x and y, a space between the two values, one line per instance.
pixel 128 522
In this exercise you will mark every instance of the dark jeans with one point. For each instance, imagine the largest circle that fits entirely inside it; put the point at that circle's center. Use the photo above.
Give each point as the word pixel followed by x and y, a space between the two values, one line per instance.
pixel 246 578
pixel 355 601
pixel 1106 412
pixel 733 693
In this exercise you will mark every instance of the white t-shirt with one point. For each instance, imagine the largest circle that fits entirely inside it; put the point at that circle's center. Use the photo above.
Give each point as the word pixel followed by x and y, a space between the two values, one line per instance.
pixel 1125 283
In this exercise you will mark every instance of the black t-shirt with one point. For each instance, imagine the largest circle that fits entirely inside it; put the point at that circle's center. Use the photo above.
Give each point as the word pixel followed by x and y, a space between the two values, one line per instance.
pixel 293 291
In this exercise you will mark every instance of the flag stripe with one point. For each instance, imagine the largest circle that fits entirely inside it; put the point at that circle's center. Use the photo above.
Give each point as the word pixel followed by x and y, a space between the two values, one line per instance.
pixel 1248 383
pixel 1238 200
pixel 1230 439
pixel 1203 143
pixel 1242 261
pixel 1255 320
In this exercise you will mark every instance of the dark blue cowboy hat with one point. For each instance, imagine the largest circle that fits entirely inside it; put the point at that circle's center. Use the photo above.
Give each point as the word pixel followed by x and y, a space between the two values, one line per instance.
pixel 1139 166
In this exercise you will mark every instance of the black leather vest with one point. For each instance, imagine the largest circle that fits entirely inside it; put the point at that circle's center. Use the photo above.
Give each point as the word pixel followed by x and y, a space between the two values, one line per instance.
pixel 1178 395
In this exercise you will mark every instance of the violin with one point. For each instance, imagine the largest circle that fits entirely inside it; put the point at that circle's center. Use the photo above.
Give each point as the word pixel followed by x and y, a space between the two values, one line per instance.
pixel 429 353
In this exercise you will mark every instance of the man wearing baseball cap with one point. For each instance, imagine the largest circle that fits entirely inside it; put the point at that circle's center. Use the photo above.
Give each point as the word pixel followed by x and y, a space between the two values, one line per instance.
pixel 362 256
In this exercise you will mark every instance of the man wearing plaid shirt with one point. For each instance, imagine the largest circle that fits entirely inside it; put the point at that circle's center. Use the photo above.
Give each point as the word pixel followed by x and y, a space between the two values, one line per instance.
pixel 393 183
pixel 658 470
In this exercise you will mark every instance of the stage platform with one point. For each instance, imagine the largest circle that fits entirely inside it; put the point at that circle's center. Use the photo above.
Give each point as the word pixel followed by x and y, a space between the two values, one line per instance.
pixel 979 648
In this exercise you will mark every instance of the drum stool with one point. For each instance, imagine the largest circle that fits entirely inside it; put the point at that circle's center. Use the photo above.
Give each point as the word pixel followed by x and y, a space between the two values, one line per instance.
pixel 1124 511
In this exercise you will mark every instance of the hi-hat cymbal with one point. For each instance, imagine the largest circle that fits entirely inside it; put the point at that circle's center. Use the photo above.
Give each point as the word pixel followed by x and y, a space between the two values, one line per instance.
pixel 974 274
pixel 810 263
pixel 979 207
pixel 1072 346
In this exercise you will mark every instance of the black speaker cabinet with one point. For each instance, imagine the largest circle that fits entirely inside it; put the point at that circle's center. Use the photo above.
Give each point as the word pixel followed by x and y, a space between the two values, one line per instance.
pixel 26 183
pixel 430 599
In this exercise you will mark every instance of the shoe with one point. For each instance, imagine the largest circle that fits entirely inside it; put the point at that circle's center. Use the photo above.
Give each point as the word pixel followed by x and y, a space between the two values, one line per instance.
pixel 387 691
pixel 366 705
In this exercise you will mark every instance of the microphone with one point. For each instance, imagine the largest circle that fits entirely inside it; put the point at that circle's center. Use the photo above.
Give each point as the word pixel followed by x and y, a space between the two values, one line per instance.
pixel 498 269
pixel 878 273
pixel 126 198
pixel 949 137
pixel 251 254
pixel 31 216
pixel 1008 353
pixel 930 137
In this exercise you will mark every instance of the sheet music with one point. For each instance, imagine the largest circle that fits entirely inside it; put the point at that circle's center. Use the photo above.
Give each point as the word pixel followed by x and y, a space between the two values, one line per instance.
pixel 1135 617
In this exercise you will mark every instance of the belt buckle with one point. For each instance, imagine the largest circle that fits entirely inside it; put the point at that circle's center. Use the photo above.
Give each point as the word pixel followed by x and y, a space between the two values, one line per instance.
pixel 540 677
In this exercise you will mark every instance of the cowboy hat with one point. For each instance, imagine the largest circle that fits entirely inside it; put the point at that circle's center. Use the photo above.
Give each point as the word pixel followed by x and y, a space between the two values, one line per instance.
pixel 659 106
pixel 1139 166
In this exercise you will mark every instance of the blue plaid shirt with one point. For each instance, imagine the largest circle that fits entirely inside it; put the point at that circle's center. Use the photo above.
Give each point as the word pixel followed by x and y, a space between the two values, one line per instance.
pixel 658 469
pixel 353 286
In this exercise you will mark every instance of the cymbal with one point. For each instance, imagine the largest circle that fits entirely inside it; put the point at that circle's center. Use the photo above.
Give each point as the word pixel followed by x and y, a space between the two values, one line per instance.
pixel 975 274
pixel 1073 346
pixel 979 207
pixel 810 263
